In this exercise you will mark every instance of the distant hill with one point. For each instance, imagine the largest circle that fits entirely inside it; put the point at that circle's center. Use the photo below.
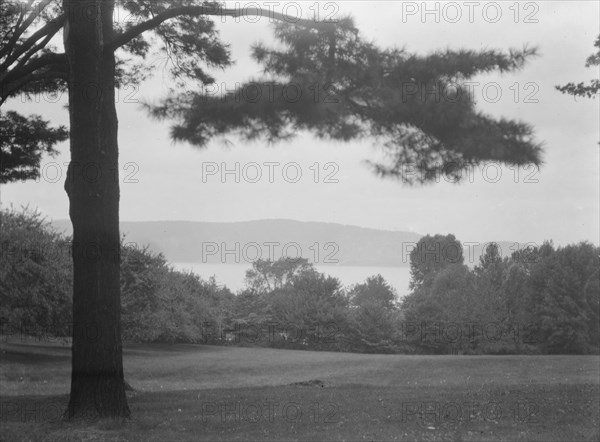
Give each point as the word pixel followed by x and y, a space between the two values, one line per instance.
pixel 242 242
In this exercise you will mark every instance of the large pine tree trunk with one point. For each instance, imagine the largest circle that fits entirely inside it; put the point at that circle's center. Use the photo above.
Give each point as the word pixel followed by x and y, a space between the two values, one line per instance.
pixel 97 383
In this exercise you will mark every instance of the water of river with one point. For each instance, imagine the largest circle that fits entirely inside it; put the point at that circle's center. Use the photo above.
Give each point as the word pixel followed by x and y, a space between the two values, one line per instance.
pixel 232 275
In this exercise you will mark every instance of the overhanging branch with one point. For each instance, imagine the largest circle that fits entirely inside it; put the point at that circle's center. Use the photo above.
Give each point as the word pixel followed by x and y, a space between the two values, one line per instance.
pixel 212 10
pixel 19 30
pixel 15 79
pixel 47 31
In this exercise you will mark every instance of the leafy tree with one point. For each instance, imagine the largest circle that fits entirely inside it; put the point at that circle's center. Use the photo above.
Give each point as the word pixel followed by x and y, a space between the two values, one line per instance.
pixel 518 301
pixel 490 261
pixel 432 254
pixel 373 315
pixel 581 89
pixel 529 285
pixel 450 289
pixel 489 275
pixel 249 307
pixel 374 291
pixel 436 306
pixel 216 304
pixel 568 321
pixel 140 271
pixel 160 304
pixel 591 292
pixel 266 276
pixel 314 306
pixel 100 54
pixel 35 274
pixel 452 304
pixel 548 291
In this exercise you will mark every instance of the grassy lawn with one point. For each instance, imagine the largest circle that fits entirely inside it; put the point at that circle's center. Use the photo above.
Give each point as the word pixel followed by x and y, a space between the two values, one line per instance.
pixel 195 392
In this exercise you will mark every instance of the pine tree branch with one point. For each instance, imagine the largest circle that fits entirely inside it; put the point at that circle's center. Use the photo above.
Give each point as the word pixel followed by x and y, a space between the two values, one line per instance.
pixel 29 47
pixel 212 10
pixel 16 79
pixel 23 61
pixel 7 51
pixel 34 64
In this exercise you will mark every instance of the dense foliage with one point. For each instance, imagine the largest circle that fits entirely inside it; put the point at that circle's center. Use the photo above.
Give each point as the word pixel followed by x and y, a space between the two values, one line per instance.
pixel 23 141
pixel 35 275
pixel 337 85
pixel 539 300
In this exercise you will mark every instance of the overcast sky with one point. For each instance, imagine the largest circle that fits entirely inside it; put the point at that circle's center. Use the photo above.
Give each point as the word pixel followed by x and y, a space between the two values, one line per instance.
pixel 164 181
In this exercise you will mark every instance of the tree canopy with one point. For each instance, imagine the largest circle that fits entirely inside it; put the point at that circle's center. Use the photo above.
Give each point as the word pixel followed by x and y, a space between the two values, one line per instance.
pixel 179 33
pixel 327 79
pixel 337 85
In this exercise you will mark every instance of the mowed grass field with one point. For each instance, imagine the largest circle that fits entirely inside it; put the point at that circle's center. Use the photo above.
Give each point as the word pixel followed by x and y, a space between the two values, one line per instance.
pixel 196 392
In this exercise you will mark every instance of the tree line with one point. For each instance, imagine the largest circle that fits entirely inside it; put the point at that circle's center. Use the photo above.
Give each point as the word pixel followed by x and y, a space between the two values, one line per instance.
pixel 540 300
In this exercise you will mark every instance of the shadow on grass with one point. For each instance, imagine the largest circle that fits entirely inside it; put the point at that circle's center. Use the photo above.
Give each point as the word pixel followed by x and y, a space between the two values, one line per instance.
pixel 33 358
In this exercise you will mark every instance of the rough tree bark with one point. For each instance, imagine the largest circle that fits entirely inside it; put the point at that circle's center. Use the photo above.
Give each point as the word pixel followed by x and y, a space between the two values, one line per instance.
pixel 97 382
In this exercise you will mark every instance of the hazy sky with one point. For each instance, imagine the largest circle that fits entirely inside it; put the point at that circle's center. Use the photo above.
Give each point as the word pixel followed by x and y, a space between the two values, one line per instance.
pixel 164 181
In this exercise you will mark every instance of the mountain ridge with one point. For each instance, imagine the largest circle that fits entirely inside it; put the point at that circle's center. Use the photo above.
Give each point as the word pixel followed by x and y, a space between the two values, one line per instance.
pixel 236 242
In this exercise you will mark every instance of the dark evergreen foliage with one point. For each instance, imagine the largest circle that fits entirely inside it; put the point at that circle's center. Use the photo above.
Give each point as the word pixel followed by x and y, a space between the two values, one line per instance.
pixel 23 141
pixel 336 85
